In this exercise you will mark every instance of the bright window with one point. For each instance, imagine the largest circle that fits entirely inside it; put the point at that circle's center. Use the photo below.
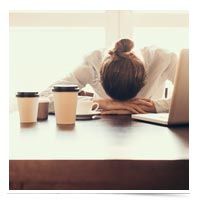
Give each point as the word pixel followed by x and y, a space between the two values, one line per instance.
pixel 40 56
pixel 170 38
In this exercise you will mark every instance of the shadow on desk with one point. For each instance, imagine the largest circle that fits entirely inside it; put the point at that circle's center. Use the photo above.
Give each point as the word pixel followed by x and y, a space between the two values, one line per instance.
pixel 99 175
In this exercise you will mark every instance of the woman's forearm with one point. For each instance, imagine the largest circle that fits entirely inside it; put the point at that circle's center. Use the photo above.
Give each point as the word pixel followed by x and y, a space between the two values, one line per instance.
pixel 104 104
pixel 115 107
pixel 132 106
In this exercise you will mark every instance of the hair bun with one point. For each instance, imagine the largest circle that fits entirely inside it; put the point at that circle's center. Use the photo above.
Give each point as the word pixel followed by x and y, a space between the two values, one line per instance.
pixel 124 45
pixel 122 49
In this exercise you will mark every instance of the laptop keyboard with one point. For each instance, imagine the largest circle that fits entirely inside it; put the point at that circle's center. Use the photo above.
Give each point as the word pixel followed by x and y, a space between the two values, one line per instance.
pixel 160 116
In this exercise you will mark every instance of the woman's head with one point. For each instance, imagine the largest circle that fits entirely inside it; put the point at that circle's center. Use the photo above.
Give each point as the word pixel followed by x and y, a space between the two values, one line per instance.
pixel 122 73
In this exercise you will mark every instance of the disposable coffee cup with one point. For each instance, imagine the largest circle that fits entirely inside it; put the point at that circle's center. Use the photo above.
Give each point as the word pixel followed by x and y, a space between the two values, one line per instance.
pixel 65 102
pixel 43 109
pixel 27 106
pixel 86 107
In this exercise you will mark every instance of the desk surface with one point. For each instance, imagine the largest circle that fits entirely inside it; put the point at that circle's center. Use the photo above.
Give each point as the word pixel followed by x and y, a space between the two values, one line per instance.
pixel 111 137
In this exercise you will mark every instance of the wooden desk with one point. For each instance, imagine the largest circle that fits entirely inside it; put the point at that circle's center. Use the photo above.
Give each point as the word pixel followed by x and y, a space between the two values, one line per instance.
pixel 114 152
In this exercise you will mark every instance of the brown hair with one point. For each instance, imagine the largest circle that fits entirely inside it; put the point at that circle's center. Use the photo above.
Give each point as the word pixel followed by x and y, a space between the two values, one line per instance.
pixel 122 73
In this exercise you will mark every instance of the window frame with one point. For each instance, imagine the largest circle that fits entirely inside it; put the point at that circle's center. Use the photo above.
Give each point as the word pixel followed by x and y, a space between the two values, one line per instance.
pixel 117 23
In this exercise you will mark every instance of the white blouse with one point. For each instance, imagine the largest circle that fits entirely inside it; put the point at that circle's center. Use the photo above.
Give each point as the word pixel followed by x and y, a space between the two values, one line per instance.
pixel 160 66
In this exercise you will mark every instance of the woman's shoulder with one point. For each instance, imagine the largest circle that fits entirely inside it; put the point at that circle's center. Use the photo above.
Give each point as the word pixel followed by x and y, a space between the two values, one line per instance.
pixel 154 50
pixel 95 58
pixel 152 53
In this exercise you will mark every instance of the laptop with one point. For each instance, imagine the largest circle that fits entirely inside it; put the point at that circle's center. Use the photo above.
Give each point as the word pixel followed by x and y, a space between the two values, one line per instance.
pixel 179 108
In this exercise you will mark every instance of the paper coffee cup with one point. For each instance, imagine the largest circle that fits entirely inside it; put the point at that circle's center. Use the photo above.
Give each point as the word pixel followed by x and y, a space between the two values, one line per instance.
pixel 65 102
pixel 43 108
pixel 27 106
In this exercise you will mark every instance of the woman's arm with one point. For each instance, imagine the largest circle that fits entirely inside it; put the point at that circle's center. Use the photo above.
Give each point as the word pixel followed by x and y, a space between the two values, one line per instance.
pixel 80 76
pixel 110 106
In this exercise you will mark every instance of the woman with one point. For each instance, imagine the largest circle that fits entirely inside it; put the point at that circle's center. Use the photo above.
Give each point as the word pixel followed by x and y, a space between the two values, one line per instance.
pixel 125 82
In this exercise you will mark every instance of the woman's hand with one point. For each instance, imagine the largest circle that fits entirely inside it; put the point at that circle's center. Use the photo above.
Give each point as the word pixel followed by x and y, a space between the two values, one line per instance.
pixel 145 104
pixel 133 106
